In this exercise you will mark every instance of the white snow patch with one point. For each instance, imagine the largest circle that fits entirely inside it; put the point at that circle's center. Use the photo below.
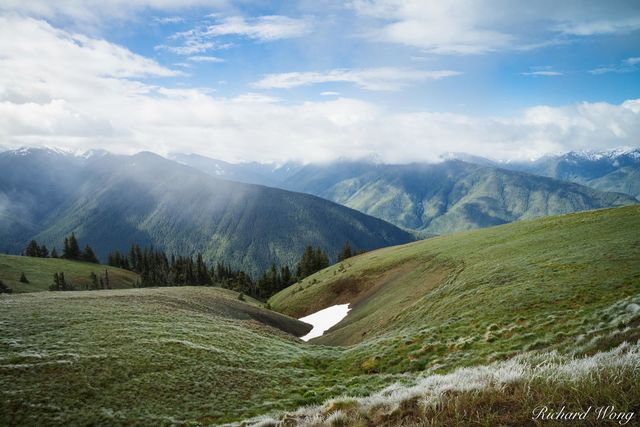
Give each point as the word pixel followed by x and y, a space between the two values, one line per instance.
pixel 324 319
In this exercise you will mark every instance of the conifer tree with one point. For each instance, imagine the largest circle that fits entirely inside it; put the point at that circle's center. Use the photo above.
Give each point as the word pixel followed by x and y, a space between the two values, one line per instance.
pixel 23 278
pixel 43 252
pixel 71 248
pixel 89 256
pixel 94 281
pixel 32 249
pixel 54 253
pixel 345 252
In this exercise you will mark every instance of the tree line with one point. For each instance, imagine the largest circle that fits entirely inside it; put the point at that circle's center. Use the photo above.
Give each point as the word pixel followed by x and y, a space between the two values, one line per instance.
pixel 156 268
pixel 71 250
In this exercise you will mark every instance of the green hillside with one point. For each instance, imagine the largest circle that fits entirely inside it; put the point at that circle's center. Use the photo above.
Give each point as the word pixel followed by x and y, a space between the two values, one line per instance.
pixel 448 196
pixel 39 272
pixel 474 297
pixel 479 299
pixel 147 200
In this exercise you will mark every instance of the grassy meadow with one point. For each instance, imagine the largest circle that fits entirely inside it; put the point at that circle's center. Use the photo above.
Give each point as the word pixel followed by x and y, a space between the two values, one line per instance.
pixel 461 323
pixel 39 272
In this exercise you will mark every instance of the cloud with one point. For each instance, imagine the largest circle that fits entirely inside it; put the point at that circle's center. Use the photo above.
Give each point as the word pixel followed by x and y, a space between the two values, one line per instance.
pixel 377 79
pixel 464 27
pixel 329 93
pixel 628 65
pixel 543 71
pixel 164 20
pixel 205 59
pixel 190 47
pixel 58 88
pixel 204 38
pixel 264 28
pixel 596 27
pixel 96 12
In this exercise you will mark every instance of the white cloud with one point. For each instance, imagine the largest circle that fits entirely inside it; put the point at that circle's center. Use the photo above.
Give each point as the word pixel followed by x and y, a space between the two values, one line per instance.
pixel 96 12
pixel 164 20
pixel 189 47
pixel 543 73
pixel 58 88
pixel 379 79
pixel 263 28
pixel 589 28
pixel 329 93
pixel 628 65
pixel 205 59
pixel 474 27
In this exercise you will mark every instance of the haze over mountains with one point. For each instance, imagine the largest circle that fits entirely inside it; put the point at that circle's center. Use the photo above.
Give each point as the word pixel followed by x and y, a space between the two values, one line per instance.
pixel 462 192
pixel 112 201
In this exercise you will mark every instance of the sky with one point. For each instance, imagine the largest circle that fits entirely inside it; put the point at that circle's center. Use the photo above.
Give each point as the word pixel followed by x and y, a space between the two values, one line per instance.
pixel 318 80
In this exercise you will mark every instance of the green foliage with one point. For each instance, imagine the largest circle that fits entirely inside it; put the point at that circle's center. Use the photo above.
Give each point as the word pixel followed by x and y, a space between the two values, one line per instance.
pixel 345 252
pixel 89 256
pixel 33 250
pixel 71 248
pixel 23 278
pixel 60 284
pixel 312 260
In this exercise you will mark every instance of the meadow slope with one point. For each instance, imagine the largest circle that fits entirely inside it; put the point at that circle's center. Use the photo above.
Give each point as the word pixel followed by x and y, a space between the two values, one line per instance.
pixel 39 272
pixel 474 297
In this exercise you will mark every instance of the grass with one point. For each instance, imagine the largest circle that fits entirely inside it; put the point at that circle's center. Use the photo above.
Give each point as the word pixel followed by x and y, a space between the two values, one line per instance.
pixel 156 356
pixel 39 272
pixel 474 297
pixel 605 388
pixel 425 313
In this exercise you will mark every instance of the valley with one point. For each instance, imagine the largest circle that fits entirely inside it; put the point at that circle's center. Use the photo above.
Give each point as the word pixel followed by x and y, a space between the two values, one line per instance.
pixel 427 308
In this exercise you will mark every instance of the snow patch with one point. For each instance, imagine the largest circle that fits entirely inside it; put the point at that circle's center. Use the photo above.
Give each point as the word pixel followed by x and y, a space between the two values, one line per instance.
pixel 324 319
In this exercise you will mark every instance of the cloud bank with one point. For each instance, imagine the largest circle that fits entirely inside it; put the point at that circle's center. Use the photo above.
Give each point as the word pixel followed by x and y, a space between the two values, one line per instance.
pixel 68 90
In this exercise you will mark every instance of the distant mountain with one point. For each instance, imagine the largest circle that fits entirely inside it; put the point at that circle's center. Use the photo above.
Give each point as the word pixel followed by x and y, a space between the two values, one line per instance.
pixel 112 201
pixel 448 196
pixel 250 172
pixel 613 170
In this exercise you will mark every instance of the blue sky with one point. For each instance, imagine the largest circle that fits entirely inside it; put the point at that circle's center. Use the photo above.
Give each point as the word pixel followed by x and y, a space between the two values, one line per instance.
pixel 317 80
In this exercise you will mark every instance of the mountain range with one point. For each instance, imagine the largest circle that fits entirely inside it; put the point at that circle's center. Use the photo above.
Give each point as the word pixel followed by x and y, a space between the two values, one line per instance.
pixel 113 201
pixel 459 193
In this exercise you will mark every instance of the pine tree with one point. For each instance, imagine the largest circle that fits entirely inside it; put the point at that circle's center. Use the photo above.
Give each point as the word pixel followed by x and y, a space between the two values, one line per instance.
pixel 345 252
pixel 23 278
pixel 32 249
pixel 54 253
pixel 89 256
pixel 94 281
pixel 106 279
pixel 55 286
pixel 71 248
pixel 43 252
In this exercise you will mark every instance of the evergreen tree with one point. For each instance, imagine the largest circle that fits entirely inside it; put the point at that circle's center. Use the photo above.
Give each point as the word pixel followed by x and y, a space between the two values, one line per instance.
pixel 23 278
pixel 106 279
pixel 345 252
pixel 43 252
pixel 55 286
pixel 32 249
pixel 89 256
pixel 54 253
pixel 71 248
pixel 94 281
